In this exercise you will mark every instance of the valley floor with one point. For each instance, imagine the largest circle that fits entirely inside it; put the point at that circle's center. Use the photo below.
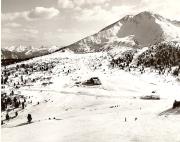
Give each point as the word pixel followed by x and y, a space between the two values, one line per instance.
pixel 111 112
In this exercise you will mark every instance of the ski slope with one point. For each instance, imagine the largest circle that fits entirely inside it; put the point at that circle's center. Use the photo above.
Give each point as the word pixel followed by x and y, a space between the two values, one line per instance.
pixel 110 112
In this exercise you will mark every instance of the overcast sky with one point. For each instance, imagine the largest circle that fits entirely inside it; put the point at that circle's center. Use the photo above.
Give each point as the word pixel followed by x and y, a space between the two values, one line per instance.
pixel 62 22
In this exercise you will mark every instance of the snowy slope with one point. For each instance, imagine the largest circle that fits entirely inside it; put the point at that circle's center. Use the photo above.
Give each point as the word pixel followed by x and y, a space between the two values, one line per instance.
pixel 67 112
pixel 145 28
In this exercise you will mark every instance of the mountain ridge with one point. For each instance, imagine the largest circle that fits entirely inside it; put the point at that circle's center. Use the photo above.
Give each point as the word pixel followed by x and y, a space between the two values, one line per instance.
pixel 146 27
pixel 24 52
pixel 140 30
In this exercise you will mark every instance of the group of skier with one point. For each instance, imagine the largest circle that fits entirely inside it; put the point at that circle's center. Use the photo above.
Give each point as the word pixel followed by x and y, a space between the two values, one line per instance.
pixel 29 117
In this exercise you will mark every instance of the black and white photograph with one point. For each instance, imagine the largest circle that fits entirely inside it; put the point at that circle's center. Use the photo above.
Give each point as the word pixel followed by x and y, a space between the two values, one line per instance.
pixel 90 70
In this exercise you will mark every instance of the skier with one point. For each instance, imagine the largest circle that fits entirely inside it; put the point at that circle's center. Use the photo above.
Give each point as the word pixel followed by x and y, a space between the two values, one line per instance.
pixel 22 105
pixel 29 117
pixel 15 100
pixel 16 113
pixel 7 116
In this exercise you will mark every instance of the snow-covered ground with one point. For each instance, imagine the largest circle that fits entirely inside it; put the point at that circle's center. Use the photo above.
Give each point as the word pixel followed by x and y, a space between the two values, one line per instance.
pixel 111 112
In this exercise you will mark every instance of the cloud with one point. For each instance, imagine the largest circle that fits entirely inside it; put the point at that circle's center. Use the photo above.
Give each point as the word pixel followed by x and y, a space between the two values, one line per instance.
pixel 66 3
pixel 13 16
pixel 79 3
pixel 99 14
pixel 102 15
pixel 13 25
pixel 34 14
pixel 31 31
pixel 41 12
pixel 60 30
pixel 169 9
pixel 5 31
pixel 18 36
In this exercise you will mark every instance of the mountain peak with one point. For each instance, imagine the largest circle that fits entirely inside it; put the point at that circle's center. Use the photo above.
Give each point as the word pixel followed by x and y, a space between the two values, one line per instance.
pixel 142 15
pixel 146 13
pixel 145 28
pixel 151 14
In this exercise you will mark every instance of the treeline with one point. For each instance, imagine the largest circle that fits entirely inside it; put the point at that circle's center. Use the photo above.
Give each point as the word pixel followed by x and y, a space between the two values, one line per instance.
pixel 164 57
pixel 5 62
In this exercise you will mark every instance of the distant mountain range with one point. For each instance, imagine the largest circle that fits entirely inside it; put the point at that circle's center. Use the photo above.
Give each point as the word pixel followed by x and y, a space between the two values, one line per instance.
pixel 24 52
pixel 14 54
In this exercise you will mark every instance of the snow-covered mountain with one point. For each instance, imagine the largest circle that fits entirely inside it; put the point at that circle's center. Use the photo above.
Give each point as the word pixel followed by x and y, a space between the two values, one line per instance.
pixel 122 107
pixel 140 30
pixel 143 29
pixel 25 52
